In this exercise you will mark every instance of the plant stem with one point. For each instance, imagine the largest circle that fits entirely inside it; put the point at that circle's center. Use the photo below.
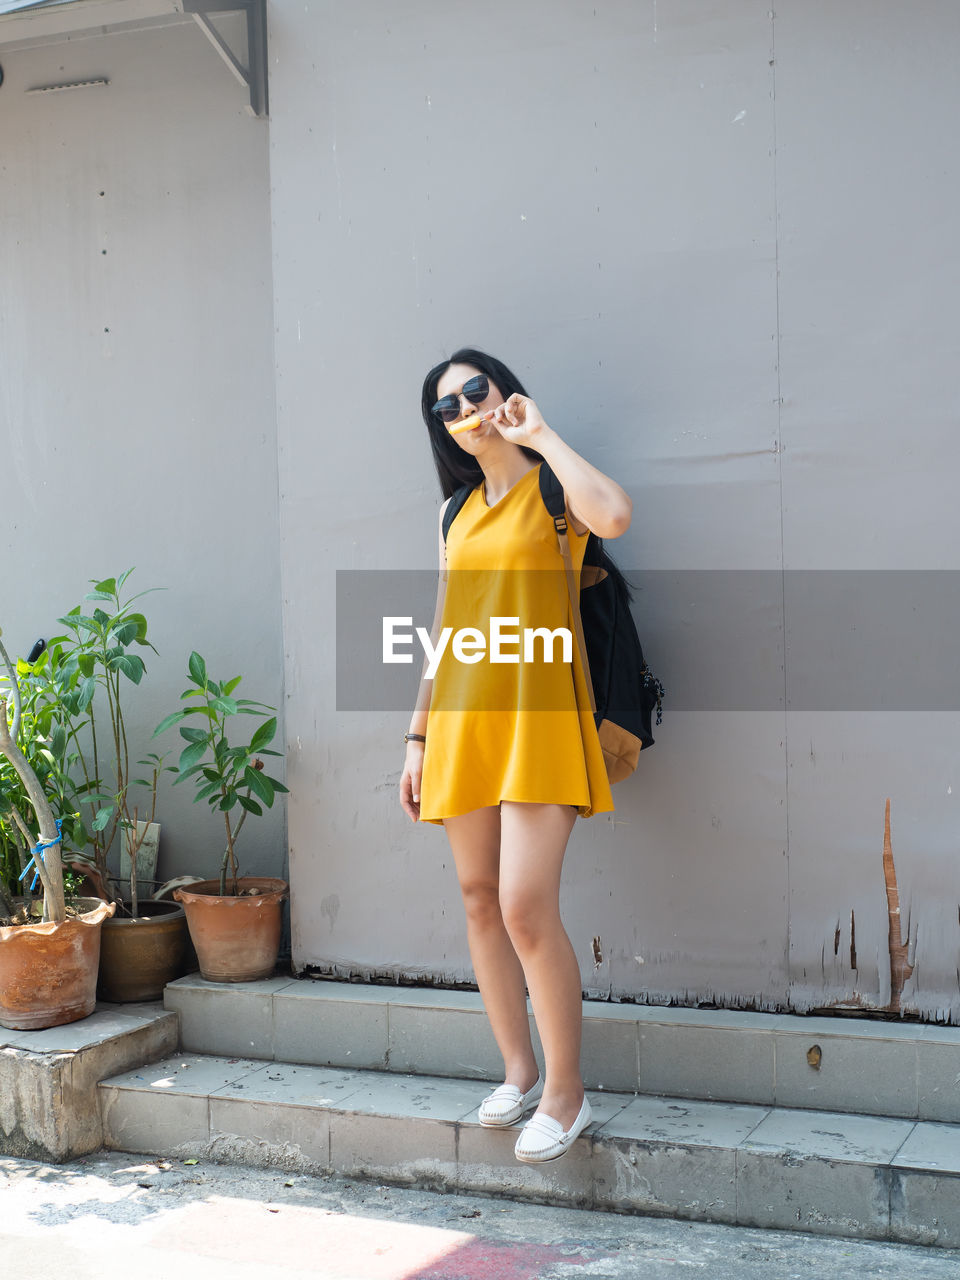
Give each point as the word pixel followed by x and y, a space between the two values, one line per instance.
pixel 135 841
pixel 6 902
pixel 28 844
pixel 114 707
pixel 23 851
pixel 15 688
pixel 54 907
pixel 123 735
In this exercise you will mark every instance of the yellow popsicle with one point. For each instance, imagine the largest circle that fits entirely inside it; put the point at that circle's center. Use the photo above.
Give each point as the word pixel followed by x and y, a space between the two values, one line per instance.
pixel 466 425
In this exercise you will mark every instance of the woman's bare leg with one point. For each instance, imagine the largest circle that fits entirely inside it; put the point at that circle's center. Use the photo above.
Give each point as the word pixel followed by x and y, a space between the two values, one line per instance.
pixel 475 842
pixel 533 839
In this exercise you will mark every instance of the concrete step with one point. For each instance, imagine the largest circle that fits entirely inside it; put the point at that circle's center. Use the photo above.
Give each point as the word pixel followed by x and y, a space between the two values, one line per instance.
pixel 49 1108
pixel 827 1172
pixel 859 1065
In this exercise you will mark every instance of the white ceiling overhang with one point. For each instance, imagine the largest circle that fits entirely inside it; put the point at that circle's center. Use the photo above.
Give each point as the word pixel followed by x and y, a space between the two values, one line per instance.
pixel 27 22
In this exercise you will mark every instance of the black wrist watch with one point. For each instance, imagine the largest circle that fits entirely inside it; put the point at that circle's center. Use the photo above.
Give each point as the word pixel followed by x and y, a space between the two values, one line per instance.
pixel 414 737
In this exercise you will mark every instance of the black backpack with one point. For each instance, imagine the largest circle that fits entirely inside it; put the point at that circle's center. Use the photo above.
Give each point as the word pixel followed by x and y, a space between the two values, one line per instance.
pixel 625 690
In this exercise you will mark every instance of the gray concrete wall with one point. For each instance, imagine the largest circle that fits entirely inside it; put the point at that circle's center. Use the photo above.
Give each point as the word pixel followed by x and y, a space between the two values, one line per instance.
pixel 137 413
pixel 715 244
pixel 867 178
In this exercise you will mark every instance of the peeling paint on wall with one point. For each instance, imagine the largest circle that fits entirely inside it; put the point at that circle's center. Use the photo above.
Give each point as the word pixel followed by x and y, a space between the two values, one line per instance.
pixel 900 968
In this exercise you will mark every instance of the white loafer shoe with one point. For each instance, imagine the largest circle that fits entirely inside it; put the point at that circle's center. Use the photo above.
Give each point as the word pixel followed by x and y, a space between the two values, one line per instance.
pixel 506 1104
pixel 543 1138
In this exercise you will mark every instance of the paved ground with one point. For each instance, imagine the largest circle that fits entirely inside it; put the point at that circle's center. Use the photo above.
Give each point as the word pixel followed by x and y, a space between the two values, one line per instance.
pixel 111 1216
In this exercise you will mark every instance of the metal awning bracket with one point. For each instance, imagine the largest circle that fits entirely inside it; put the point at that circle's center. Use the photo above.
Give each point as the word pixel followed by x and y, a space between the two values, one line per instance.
pixel 254 74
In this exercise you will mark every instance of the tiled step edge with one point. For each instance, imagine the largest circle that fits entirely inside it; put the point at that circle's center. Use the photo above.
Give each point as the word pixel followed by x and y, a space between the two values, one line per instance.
pixel 49 1107
pixel 828 1173
pixel 859 1065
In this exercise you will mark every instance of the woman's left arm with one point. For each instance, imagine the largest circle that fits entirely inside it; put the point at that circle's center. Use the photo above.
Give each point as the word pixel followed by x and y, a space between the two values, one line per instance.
pixel 593 499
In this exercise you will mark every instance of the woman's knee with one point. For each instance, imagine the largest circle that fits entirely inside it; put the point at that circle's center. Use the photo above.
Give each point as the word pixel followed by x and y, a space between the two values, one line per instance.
pixel 482 903
pixel 527 918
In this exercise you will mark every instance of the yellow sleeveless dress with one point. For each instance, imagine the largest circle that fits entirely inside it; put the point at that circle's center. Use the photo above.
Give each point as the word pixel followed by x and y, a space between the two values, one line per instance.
pixel 510 729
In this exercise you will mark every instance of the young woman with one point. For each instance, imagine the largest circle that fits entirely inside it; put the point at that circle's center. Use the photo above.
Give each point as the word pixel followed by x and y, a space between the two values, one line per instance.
pixel 506 755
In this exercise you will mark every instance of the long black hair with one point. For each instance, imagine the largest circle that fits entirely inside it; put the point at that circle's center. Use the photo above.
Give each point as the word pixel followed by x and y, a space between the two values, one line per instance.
pixel 456 467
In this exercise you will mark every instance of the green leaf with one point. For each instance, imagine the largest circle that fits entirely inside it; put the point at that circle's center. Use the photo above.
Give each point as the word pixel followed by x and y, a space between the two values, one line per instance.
pixel 225 705
pixel 102 817
pixel 264 735
pixel 95 797
pixel 229 687
pixel 58 742
pixel 167 721
pixel 100 618
pixel 260 785
pixel 208 790
pixel 132 667
pixel 191 755
pixel 211 774
pixel 228 802
pixel 80 623
pixel 141 625
pixel 278 786
pixel 198 669
pixel 251 806
pixel 88 688
pixel 126 632
pixel 108 586
pixel 214 688
pixel 187 773
pixel 87 663
pixel 193 735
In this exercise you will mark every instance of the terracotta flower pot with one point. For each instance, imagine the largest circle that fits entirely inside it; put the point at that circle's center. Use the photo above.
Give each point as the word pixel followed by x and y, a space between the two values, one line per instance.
pixel 139 957
pixel 48 972
pixel 237 938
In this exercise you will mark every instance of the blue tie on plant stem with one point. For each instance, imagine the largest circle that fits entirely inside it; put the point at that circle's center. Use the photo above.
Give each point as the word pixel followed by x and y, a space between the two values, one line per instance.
pixel 51 874
pixel 225 776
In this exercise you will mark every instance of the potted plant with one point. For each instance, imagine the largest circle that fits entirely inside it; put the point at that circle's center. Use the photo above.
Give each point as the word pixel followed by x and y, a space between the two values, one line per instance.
pixel 48 967
pixel 234 921
pixel 85 673
pixel 144 945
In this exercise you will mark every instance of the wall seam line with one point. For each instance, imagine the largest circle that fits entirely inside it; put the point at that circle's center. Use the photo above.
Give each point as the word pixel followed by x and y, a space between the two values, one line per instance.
pixel 783 581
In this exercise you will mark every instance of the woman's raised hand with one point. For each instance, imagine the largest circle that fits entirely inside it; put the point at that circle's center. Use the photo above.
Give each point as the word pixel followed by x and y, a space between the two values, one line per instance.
pixel 519 420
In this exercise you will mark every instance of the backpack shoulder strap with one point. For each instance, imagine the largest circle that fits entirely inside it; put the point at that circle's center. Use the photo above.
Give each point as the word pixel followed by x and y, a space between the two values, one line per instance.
pixel 453 507
pixel 551 491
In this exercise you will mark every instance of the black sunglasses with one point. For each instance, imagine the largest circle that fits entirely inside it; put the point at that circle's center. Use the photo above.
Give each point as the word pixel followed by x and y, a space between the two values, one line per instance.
pixel 475 390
